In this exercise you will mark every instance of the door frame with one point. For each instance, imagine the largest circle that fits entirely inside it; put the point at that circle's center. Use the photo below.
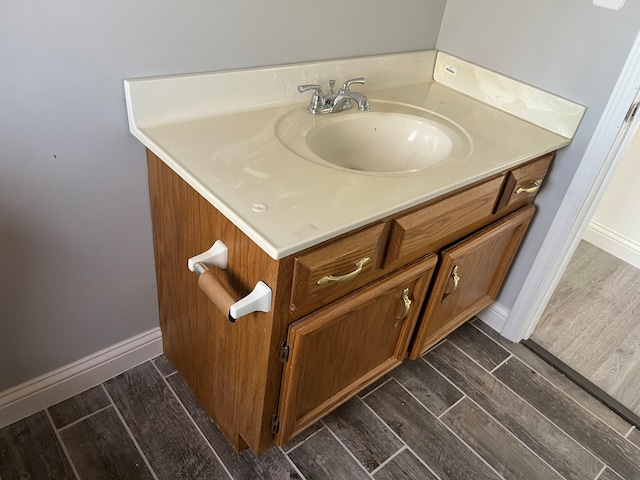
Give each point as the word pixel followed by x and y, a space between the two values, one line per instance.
pixel 587 187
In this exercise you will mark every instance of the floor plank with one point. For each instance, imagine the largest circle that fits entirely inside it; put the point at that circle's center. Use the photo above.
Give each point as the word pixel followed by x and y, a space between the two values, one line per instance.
pixel 322 457
pixel 404 466
pixel 609 474
pixel 426 435
pixel 370 441
pixel 478 346
pixel 592 404
pixel 433 390
pixel 365 391
pixel 590 322
pixel 166 435
pixel 101 449
pixel 164 365
pixel 495 444
pixel 301 437
pixel 594 435
pixel 634 437
pixel 517 416
pixel 83 404
pixel 29 449
pixel 272 465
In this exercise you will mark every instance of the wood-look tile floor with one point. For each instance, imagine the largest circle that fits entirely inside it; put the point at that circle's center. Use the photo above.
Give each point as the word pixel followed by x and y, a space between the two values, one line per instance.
pixel 592 322
pixel 474 407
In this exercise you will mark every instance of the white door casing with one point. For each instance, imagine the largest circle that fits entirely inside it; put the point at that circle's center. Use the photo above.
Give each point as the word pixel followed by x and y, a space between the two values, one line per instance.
pixel 588 185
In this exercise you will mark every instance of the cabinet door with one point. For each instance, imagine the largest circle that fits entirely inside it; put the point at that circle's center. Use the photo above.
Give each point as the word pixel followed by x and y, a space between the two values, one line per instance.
pixel 469 278
pixel 340 349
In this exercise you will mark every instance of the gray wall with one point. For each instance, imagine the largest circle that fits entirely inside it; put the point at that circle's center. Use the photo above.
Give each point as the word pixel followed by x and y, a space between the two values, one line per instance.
pixel 76 256
pixel 568 47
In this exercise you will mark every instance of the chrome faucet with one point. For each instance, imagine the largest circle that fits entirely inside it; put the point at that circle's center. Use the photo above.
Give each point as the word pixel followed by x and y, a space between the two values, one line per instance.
pixel 332 102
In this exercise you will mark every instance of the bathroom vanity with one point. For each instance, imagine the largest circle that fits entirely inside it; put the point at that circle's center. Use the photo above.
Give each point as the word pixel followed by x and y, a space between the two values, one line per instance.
pixel 364 268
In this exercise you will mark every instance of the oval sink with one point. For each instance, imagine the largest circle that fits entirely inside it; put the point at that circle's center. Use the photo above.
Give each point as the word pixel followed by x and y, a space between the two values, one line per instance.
pixel 392 139
pixel 380 142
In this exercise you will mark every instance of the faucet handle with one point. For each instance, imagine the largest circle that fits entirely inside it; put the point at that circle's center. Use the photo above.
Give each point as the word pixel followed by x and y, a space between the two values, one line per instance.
pixel 316 105
pixel 348 83
pixel 312 86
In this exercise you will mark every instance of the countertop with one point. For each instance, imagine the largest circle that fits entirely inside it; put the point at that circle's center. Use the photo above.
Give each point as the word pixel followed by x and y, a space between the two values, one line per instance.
pixel 285 203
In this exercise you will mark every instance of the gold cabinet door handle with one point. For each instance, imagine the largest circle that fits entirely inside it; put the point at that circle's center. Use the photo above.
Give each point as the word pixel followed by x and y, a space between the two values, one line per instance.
pixel 456 280
pixel 407 306
pixel 531 188
pixel 343 278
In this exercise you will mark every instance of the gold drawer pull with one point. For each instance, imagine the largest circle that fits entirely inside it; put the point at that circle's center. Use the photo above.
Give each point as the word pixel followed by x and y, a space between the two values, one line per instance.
pixel 531 188
pixel 456 280
pixel 407 306
pixel 343 278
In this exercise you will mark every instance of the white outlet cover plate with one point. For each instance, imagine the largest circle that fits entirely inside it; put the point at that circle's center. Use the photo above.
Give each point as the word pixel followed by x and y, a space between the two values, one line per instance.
pixel 609 4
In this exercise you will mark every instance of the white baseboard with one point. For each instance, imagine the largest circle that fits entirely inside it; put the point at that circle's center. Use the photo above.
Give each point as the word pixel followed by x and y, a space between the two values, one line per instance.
pixel 46 390
pixel 614 243
pixel 495 315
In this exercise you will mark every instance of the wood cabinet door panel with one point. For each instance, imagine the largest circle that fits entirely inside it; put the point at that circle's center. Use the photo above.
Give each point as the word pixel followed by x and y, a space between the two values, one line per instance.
pixel 340 349
pixel 430 228
pixel 469 277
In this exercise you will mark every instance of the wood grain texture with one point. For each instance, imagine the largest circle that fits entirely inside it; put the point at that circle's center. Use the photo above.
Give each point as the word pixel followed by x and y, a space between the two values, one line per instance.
pixel 426 435
pixel 554 446
pixel 336 257
pixel 609 474
pixel 101 449
pixel 370 441
pixel 634 437
pixel 163 364
pixel 219 294
pixel 441 222
pixel 220 361
pixel 29 449
pixel 523 176
pixel 404 466
pixel 590 323
pixel 81 405
pixel 430 388
pixel 341 348
pixel 162 428
pixel 497 446
pixel 322 457
pixel 481 262
pixel 302 436
pixel 478 346
pixel 558 380
pixel 272 465
pixel 590 432
pixel 367 390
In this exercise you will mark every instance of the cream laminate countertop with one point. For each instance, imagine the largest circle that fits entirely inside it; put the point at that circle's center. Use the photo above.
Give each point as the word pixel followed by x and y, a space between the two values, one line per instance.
pixel 285 203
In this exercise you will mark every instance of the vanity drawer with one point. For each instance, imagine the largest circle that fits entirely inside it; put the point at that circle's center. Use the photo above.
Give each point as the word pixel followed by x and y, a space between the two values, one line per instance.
pixel 335 269
pixel 430 228
pixel 522 184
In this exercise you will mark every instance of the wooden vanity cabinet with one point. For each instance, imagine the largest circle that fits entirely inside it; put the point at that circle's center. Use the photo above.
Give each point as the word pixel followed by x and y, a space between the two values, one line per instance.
pixel 270 375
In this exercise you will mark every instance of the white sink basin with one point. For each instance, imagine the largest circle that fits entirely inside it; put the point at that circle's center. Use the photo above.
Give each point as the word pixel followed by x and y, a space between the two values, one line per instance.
pixel 391 139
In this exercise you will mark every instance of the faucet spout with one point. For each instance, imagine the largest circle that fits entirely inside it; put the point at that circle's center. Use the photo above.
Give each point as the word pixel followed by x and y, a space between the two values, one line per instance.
pixel 340 100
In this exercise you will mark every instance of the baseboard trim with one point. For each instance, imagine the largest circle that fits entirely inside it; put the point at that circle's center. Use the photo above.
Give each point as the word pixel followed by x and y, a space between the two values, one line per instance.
pixel 614 243
pixel 495 315
pixel 46 390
